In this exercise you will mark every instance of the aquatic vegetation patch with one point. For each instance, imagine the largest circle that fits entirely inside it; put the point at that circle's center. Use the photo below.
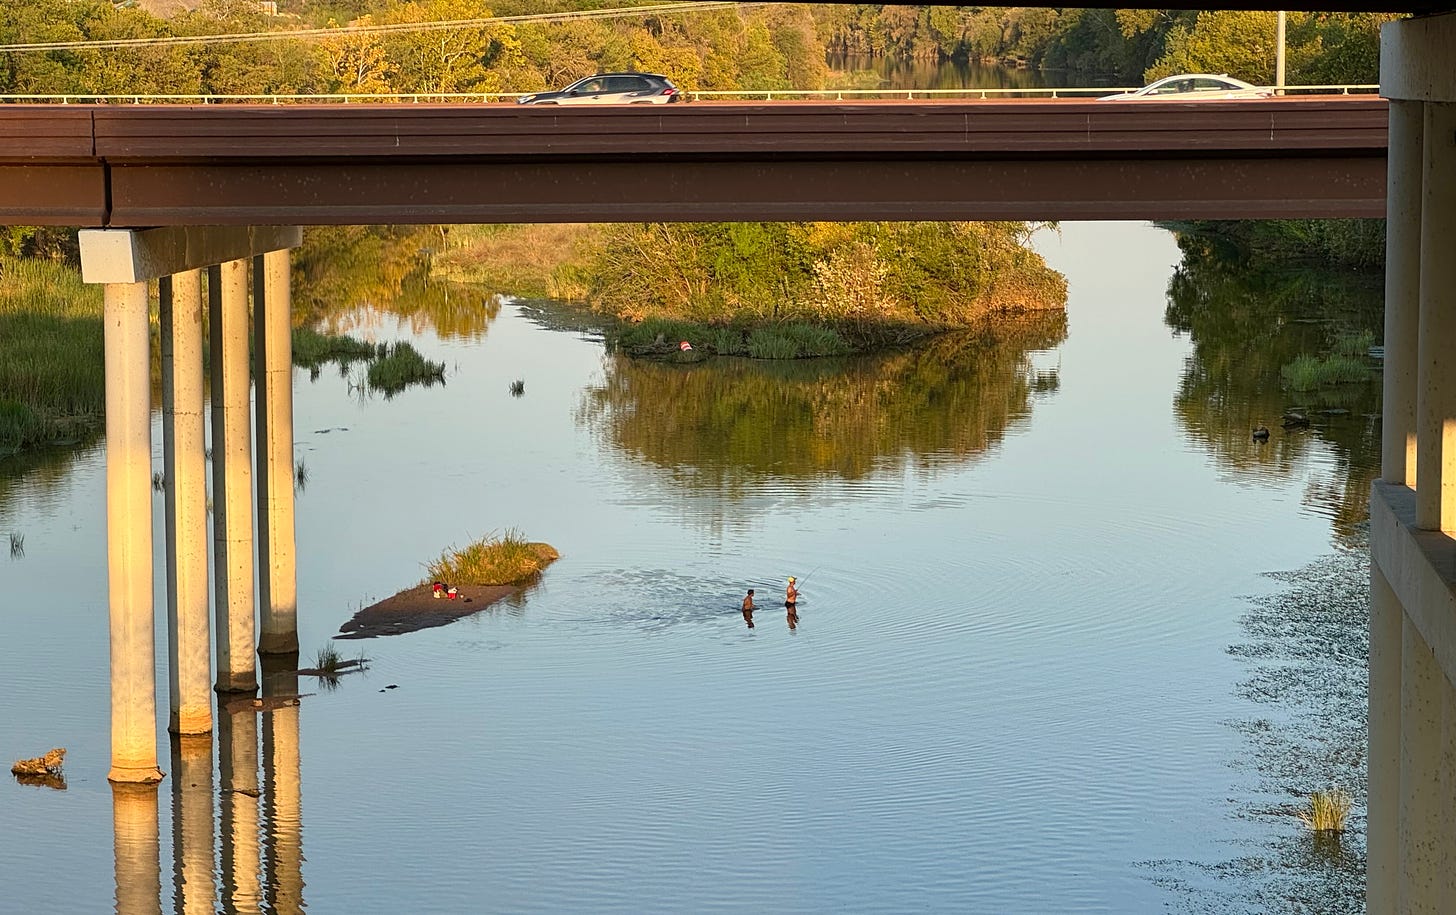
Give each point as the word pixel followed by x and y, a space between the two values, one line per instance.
pixel 1307 647
pixel 400 366
pixel 312 348
pixel 1307 372
pixel 503 559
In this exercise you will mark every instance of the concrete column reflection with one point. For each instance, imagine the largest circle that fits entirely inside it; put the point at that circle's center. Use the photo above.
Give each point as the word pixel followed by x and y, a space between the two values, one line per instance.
pixel 137 846
pixel 282 789
pixel 193 826
pixel 237 753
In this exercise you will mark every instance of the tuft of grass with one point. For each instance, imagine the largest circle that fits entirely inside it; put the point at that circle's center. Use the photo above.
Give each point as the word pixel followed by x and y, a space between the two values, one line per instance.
pixel 17 545
pixel 1327 811
pixel 159 481
pixel 518 388
pixel 1357 345
pixel 1307 373
pixel 400 366
pixel 503 559
pixel 816 340
pixel 327 661
pixel 300 476
pixel 772 343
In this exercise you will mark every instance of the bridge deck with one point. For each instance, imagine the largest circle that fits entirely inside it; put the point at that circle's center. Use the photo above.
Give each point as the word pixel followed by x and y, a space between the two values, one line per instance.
pixel 132 166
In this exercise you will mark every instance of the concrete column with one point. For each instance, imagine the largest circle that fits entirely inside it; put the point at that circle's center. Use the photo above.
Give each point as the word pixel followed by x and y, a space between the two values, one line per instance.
pixel 282 792
pixel 1436 388
pixel 1422 852
pixel 185 470
pixel 137 847
pixel 237 750
pixel 1448 794
pixel 194 884
pixel 273 349
pixel 1402 291
pixel 129 535
pixel 1383 801
pixel 232 478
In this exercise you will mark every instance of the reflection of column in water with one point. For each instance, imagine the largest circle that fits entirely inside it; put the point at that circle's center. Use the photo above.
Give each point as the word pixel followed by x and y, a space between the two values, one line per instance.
pixel 282 784
pixel 194 886
pixel 138 849
pixel 237 753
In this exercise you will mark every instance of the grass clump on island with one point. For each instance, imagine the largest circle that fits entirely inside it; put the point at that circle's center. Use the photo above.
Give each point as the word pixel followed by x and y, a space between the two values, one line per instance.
pixel 503 559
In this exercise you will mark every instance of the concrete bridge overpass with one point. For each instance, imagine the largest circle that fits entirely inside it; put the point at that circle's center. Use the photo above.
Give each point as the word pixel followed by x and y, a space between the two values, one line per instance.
pixel 134 166
pixel 209 184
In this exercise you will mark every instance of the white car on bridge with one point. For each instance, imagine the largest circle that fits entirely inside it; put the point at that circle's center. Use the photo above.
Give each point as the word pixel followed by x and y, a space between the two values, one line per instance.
pixel 1188 87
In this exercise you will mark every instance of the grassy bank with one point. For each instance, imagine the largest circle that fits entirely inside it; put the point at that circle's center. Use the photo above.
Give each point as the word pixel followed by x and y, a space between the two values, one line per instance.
pixel 766 290
pixel 52 372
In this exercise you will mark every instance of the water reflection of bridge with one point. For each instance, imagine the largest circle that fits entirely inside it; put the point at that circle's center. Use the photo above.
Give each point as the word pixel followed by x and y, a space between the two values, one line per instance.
pixel 237 845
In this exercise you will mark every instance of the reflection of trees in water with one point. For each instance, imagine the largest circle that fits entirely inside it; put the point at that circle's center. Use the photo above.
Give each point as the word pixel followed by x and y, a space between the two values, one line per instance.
pixel 1246 323
pixel 43 475
pixel 386 268
pixel 725 423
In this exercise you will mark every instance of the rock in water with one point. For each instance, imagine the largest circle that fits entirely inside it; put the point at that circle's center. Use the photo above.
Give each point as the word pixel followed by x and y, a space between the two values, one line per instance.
pixel 49 764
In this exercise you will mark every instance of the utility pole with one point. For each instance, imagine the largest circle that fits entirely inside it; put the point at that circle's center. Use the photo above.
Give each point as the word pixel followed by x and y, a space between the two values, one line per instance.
pixel 1279 56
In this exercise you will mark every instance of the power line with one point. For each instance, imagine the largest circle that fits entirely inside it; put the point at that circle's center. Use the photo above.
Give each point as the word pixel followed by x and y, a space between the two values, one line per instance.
pixel 392 28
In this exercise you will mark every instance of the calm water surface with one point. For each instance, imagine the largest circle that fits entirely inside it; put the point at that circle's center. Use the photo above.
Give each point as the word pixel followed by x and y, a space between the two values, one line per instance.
pixel 1008 690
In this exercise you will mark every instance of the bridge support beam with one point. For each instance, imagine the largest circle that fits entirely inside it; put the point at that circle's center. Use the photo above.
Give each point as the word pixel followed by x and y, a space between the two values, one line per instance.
pixel 124 261
pixel 185 478
pixel 129 534
pixel 1411 834
pixel 273 348
pixel 232 478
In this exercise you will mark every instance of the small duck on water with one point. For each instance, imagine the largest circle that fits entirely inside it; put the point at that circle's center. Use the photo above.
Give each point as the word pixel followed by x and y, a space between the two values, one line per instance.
pixel 1261 434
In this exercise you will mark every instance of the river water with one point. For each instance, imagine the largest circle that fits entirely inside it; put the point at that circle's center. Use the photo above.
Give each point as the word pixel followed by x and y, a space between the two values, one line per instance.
pixel 1034 571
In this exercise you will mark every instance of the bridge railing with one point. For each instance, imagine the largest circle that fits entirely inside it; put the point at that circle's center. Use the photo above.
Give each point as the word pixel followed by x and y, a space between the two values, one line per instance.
pixel 695 95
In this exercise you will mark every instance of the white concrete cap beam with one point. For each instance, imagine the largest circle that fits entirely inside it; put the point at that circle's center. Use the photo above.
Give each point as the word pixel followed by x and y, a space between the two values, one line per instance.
pixel 138 255
pixel 1415 59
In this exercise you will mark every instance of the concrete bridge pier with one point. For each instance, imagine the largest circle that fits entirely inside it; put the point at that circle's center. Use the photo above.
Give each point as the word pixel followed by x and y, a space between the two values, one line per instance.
pixel 232 478
pixel 129 534
pixel 273 349
pixel 179 314
pixel 124 261
pixel 1411 832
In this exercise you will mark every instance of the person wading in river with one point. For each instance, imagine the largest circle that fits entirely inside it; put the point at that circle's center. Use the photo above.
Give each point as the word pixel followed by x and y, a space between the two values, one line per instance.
pixel 791 594
pixel 748 609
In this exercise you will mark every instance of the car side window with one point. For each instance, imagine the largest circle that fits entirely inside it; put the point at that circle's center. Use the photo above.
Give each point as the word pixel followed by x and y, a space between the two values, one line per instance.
pixel 626 84
pixel 1211 85
pixel 590 87
pixel 1176 86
